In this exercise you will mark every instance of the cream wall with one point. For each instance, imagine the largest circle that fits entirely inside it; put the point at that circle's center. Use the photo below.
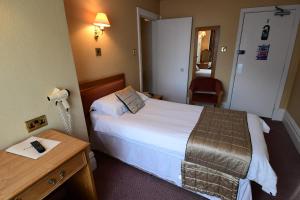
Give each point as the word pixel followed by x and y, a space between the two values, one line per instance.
pixel 35 57
pixel 116 43
pixel 226 14
pixel 294 103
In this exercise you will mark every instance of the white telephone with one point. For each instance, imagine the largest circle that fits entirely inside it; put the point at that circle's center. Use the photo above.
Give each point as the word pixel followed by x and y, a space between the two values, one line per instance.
pixel 59 97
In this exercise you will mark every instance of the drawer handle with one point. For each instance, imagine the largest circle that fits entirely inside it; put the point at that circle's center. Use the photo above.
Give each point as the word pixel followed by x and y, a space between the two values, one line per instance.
pixel 52 181
pixel 62 174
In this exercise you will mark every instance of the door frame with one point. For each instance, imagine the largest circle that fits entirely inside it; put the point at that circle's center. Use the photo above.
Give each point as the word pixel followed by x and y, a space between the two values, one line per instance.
pixel 278 113
pixel 140 12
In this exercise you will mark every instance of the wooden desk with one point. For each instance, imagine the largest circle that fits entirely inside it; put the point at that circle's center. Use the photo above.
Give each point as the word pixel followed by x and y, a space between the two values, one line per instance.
pixel 23 178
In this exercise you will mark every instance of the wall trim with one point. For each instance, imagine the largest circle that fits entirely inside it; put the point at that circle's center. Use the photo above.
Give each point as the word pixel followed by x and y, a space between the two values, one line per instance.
pixel 293 129
pixel 276 112
pixel 151 16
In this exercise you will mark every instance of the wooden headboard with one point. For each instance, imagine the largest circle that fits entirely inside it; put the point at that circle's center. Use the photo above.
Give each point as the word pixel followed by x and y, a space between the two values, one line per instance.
pixel 91 91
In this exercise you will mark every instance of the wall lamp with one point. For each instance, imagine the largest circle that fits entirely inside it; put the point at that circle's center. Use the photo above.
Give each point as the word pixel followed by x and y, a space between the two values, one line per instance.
pixel 100 23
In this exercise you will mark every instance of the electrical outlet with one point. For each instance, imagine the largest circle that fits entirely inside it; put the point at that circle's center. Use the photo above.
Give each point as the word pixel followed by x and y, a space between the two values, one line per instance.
pixel 36 123
pixel 98 51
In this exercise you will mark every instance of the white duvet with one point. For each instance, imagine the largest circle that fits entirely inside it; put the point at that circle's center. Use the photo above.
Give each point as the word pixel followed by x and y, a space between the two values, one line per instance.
pixel 167 125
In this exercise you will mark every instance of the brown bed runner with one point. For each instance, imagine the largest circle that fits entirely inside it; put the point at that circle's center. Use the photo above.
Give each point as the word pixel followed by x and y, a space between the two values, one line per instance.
pixel 218 153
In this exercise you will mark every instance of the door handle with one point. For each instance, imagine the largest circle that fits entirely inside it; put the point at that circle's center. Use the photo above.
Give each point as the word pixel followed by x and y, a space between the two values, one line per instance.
pixel 62 174
pixel 52 181
pixel 241 52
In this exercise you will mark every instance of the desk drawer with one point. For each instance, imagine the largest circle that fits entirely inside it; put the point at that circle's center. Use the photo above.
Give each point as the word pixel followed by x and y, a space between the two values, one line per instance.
pixel 51 181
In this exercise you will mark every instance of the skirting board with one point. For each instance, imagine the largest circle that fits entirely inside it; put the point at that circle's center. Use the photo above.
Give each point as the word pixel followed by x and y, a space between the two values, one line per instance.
pixel 278 114
pixel 92 160
pixel 225 104
pixel 293 129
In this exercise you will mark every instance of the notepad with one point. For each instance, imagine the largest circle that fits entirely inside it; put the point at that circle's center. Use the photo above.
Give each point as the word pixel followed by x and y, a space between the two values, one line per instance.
pixel 24 148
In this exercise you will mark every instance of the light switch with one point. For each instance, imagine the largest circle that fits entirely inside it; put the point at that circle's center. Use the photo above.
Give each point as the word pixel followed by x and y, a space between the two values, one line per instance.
pixel 134 52
pixel 98 51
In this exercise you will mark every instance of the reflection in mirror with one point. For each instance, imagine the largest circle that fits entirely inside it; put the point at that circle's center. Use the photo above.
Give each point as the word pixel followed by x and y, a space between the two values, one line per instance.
pixel 206 48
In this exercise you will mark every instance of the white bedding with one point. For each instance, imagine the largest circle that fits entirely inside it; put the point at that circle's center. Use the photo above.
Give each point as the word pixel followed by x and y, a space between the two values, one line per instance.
pixel 165 127
pixel 203 73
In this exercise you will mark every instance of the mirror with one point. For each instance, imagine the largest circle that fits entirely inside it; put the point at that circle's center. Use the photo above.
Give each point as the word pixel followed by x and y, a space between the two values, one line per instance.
pixel 206 49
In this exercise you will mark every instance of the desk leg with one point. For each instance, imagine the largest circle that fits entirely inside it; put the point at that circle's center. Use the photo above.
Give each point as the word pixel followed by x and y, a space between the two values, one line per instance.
pixel 83 183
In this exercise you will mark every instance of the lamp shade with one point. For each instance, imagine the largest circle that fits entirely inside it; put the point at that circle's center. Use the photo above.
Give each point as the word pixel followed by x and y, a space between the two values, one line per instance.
pixel 101 20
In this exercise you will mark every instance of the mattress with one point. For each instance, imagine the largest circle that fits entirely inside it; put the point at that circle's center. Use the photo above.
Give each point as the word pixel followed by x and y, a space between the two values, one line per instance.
pixel 154 139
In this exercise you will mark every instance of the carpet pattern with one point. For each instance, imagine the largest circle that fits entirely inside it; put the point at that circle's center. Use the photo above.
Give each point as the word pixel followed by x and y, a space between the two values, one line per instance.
pixel 118 181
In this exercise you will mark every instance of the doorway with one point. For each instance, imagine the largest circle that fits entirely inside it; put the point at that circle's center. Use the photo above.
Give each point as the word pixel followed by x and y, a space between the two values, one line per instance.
pixel 144 29
pixel 265 45
pixel 146 40
pixel 164 51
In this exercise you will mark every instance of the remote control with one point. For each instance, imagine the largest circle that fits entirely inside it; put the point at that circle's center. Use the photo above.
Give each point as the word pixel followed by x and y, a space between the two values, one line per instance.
pixel 38 146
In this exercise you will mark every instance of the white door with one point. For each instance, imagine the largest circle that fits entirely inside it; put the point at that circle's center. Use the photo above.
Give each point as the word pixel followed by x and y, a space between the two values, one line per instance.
pixel 261 61
pixel 171 52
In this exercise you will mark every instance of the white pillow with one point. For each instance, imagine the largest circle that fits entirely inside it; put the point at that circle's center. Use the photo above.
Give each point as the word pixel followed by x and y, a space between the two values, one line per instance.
pixel 109 105
pixel 144 97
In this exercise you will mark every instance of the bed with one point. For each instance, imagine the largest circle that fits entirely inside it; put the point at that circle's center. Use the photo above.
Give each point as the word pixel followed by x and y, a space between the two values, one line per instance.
pixel 154 139
pixel 203 73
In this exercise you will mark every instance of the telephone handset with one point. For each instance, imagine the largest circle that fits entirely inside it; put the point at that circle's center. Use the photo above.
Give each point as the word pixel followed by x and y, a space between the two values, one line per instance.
pixel 59 97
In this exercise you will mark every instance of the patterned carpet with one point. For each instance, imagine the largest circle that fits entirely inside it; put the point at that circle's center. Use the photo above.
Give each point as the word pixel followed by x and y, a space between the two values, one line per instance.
pixel 118 181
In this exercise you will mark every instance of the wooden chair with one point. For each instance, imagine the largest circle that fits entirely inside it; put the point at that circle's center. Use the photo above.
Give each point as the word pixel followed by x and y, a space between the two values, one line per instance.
pixel 206 90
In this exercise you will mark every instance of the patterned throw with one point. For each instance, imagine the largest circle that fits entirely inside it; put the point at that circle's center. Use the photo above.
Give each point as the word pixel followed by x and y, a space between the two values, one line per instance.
pixel 218 153
pixel 131 99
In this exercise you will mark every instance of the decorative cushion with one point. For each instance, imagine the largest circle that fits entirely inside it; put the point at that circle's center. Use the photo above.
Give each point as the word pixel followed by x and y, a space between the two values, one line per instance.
pixel 131 99
pixel 143 96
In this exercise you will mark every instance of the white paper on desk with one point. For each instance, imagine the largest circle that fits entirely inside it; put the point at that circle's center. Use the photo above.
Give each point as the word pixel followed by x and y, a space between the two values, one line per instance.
pixel 26 149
